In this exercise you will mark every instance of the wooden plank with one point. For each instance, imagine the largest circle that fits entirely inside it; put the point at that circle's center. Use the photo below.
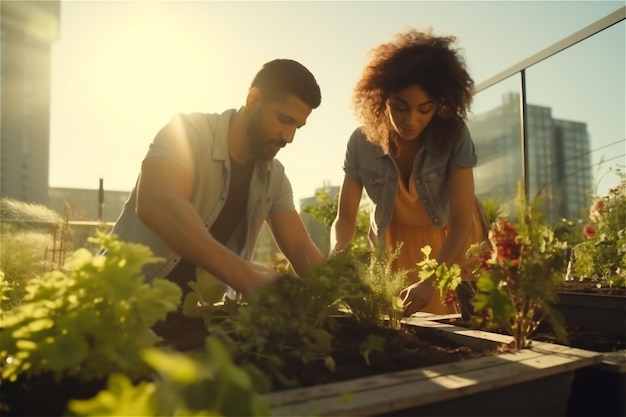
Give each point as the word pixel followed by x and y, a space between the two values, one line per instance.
pixel 420 315
pixel 416 387
pixel 614 362
pixel 476 339
pixel 529 362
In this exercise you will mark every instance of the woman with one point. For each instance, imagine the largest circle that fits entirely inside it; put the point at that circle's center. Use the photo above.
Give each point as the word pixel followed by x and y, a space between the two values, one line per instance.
pixel 415 157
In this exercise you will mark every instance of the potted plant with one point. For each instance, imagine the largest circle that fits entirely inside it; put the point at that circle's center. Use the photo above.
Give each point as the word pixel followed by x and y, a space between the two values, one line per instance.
pixel 593 300
pixel 602 256
pixel 593 296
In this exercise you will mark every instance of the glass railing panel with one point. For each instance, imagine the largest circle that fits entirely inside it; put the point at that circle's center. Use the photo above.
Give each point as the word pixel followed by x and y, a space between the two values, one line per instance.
pixel 576 115
pixel 494 123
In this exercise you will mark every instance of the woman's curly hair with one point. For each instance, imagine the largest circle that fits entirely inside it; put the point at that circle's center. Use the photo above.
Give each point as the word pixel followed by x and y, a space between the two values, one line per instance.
pixel 413 58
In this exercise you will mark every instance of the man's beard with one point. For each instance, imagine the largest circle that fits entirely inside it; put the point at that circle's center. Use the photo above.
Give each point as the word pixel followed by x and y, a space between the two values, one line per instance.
pixel 261 147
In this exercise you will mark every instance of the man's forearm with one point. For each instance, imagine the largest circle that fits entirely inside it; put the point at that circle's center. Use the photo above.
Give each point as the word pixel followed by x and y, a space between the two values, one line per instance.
pixel 184 232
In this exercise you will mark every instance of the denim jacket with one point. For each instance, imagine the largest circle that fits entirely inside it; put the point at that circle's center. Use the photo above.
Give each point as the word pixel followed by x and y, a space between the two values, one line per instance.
pixel 377 172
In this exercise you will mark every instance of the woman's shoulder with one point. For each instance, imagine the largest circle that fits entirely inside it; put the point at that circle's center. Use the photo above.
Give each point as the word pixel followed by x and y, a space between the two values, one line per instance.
pixel 358 134
pixel 359 140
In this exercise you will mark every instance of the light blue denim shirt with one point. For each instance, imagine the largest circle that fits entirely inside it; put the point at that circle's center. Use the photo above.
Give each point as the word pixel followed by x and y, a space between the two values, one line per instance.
pixel 377 172
pixel 205 138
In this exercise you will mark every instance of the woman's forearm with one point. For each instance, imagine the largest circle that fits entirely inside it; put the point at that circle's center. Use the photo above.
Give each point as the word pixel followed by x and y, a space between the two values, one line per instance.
pixel 342 232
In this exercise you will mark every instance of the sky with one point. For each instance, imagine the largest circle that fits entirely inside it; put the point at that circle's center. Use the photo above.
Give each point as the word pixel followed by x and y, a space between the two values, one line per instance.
pixel 122 69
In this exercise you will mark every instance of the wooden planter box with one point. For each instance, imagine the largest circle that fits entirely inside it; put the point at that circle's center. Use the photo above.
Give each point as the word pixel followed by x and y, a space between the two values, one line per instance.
pixel 606 313
pixel 597 390
pixel 600 390
pixel 533 381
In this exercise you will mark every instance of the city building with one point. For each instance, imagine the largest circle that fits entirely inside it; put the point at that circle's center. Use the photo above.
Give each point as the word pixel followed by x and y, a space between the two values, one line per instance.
pixel 28 30
pixel 558 157
pixel 319 231
pixel 81 204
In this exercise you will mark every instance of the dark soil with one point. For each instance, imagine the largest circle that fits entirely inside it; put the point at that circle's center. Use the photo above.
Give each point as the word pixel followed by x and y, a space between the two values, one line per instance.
pixel 42 396
pixel 587 339
pixel 407 348
pixel 590 286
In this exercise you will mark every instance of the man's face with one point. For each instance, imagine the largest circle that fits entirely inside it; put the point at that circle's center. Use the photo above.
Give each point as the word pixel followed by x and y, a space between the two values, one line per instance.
pixel 273 125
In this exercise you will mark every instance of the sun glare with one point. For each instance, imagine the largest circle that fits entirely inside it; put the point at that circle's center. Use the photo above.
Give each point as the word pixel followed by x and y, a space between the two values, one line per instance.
pixel 145 67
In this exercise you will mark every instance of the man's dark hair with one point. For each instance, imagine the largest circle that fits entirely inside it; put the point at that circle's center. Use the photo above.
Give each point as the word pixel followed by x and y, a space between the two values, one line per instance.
pixel 282 77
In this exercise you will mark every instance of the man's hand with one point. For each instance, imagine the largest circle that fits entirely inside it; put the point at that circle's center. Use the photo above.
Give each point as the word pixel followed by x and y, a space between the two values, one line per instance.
pixel 260 277
pixel 416 296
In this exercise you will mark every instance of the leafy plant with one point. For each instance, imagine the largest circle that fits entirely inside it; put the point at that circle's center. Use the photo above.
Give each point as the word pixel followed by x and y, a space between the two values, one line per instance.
pixel 447 279
pixel 325 212
pixel 602 256
pixel 519 273
pixel 203 383
pixel 493 209
pixel 373 342
pixel 89 319
pixel 375 265
pixel 292 320
pixel 92 320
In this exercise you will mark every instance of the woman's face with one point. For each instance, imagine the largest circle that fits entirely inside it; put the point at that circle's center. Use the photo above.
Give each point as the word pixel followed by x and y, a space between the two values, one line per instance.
pixel 410 111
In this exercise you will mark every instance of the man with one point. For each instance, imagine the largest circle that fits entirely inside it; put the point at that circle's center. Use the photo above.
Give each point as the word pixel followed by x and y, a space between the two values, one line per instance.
pixel 210 181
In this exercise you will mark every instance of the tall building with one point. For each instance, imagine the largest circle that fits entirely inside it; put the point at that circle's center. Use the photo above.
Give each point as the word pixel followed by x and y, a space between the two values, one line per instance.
pixel 558 155
pixel 28 30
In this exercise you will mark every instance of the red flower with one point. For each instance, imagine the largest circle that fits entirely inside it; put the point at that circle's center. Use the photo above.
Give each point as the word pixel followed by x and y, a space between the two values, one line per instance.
pixel 450 297
pixel 589 231
pixel 505 240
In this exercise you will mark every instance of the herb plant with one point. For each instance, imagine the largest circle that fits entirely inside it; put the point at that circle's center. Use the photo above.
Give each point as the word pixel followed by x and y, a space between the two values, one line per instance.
pixel 386 283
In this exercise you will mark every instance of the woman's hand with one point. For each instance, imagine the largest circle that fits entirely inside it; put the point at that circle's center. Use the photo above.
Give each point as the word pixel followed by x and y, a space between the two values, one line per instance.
pixel 416 296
